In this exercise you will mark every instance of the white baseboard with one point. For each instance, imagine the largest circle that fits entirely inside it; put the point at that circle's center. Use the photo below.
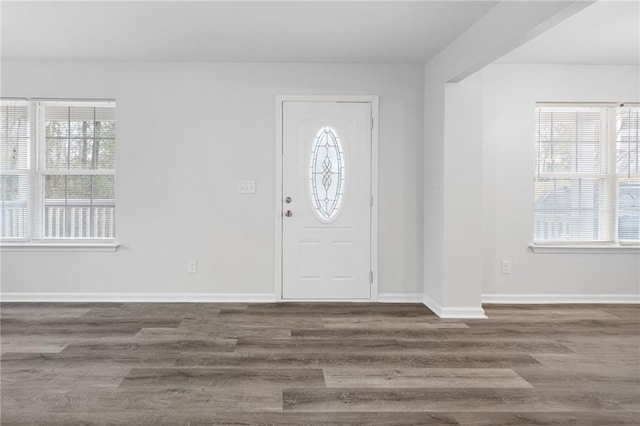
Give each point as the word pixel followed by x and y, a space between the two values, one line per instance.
pixel 400 297
pixel 140 297
pixel 448 312
pixel 453 312
pixel 560 298
pixel 178 297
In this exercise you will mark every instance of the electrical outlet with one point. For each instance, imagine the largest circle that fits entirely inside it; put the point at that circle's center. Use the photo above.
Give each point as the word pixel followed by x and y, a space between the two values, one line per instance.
pixel 506 267
pixel 192 266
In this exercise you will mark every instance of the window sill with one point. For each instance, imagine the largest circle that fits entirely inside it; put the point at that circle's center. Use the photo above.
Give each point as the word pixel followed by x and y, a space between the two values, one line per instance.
pixel 584 249
pixel 59 246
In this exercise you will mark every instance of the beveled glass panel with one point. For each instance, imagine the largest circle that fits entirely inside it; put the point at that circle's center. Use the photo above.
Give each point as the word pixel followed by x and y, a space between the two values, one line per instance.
pixel 326 174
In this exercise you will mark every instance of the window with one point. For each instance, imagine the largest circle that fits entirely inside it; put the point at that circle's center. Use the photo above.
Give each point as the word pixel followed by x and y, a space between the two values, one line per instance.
pixel 326 174
pixel 58 170
pixel 14 168
pixel 587 176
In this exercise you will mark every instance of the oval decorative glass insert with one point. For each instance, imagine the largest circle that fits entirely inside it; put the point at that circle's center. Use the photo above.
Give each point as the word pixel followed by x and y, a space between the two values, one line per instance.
pixel 326 174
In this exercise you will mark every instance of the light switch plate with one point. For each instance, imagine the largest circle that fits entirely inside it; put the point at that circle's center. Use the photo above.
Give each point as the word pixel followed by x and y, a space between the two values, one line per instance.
pixel 246 187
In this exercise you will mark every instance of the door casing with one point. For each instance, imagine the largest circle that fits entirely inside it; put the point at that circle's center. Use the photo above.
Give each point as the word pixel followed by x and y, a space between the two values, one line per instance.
pixel 373 100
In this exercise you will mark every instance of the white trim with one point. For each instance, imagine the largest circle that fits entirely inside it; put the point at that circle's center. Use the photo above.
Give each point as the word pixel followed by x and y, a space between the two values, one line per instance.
pixel 453 312
pixel 58 246
pixel 373 100
pixel 324 300
pixel 76 172
pixel 277 280
pixel 75 102
pixel 560 298
pixel 400 297
pixel 584 249
pixel 327 98
pixel 375 287
pixel 140 297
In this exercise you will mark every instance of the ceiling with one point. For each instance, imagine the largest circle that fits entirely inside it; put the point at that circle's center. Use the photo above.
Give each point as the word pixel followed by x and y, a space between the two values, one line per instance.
pixel 264 31
pixel 606 32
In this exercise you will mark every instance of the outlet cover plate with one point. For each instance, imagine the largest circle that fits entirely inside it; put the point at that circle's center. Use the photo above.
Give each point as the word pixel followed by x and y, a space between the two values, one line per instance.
pixel 506 267
pixel 246 187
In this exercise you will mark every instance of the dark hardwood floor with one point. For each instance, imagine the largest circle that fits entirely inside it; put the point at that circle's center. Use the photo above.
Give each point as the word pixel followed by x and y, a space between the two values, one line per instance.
pixel 325 363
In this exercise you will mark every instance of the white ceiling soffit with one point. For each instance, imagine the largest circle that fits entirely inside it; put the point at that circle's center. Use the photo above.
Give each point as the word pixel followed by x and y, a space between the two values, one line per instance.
pixel 238 31
pixel 606 32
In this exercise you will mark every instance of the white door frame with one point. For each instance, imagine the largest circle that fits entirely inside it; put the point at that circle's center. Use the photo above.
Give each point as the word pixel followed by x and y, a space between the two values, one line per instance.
pixel 373 100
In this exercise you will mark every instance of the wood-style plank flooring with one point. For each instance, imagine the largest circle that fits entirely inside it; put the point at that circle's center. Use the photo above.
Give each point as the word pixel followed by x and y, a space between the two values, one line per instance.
pixel 324 363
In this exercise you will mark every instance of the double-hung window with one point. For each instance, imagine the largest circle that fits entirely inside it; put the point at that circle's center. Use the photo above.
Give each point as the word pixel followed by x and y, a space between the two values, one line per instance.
pixel 15 169
pixel 587 174
pixel 58 170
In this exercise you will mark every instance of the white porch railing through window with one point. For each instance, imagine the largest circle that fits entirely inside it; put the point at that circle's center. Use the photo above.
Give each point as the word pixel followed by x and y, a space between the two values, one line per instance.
pixel 73 219
pixel 14 219
pixel 550 227
pixel 79 219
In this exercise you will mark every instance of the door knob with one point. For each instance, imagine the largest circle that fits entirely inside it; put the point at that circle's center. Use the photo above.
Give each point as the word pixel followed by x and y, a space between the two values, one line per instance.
pixel 287 200
pixel 288 213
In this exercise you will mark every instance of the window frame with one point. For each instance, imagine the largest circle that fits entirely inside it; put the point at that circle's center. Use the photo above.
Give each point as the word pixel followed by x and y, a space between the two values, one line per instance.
pixel 611 181
pixel 35 239
pixel 28 172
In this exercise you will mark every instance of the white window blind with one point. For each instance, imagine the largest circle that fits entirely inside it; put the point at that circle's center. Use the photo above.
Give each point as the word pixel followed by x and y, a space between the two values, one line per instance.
pixel 584 184
pixel 77 169
pixel 628 172
pixel 14 168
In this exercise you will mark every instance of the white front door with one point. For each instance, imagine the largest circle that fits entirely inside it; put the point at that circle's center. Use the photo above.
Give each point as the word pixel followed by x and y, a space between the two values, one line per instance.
pixel 326 203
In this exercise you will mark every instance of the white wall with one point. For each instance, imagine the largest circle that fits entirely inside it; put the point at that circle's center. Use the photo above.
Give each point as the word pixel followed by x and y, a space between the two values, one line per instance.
pixel 462 263
pixel 433 186
pixel 186 134
pixel 510 93
pixel 453 153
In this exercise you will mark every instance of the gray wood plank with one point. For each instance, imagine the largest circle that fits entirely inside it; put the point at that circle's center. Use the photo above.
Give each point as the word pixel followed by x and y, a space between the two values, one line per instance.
pixel 289 358
pixel 228 378
pixel 25 347
pixel 371 378
pixel 446 400
pixel 584 418
pixel 186 417
pixel 317 363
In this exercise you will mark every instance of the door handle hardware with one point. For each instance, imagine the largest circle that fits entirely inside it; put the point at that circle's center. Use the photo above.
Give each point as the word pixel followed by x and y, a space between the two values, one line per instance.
pixel 287 200
pixel 288 213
